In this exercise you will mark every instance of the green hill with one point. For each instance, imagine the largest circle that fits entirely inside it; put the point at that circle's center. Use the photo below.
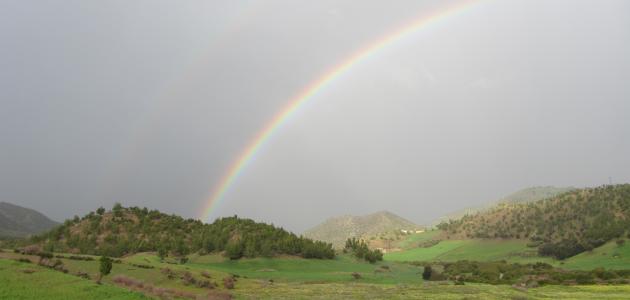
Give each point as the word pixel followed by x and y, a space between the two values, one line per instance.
pixel 17 221
pixel 561 226
pixel 124 231
pixel 337 230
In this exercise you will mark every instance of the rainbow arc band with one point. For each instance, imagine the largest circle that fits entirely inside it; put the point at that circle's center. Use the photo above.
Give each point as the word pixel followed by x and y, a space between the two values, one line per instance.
pixel 263 136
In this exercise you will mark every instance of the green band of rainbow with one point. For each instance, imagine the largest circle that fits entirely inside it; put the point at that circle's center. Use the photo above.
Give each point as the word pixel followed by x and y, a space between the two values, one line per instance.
pixel 311 90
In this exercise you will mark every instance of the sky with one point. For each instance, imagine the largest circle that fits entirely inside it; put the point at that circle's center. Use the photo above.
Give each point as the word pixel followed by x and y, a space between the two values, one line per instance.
pixel 149 103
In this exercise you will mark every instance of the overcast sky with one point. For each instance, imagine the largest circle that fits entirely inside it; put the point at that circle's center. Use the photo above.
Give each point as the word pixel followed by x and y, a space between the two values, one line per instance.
pixel 148 103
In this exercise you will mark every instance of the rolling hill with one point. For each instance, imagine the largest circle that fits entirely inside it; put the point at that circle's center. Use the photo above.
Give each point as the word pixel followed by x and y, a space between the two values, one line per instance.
pixel 561 226
pixel 17 221
pixel 337 230
pixel 128 230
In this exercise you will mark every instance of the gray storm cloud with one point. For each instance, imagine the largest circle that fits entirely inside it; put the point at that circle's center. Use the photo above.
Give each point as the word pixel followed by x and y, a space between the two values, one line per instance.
pixel 148 103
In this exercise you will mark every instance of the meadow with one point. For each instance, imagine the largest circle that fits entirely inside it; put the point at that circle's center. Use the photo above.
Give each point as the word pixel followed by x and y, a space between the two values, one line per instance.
pixel 608 256
pixel 20 280
pixel 266 278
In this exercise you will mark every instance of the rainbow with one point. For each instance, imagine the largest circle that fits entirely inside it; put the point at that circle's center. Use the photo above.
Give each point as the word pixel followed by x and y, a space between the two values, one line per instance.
pixel 263 136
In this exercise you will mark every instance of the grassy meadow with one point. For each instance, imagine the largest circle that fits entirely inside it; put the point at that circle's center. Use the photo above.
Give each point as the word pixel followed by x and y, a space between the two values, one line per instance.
pixel 608 256
pixel 20 280
pixel 265 278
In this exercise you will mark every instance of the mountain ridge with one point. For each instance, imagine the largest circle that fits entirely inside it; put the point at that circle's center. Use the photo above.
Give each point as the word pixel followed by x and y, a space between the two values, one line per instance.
pixel 18 221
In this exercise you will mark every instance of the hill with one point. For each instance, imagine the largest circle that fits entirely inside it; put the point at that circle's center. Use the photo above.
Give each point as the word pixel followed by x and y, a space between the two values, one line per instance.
pixel 535 194
pixel 17 221
pixel 337 230
pixel 123 231
pixel 561 226
pixel 525 195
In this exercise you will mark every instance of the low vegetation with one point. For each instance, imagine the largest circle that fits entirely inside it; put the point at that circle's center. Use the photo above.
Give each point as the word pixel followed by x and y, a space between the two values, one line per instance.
pixel 360 250
pixel 529 275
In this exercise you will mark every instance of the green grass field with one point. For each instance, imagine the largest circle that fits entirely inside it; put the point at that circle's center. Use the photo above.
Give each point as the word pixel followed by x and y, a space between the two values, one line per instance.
pixel 17 282
pixel 413 240
pixel 292 278
pixel 609 256
pixel 313 270
pixel 479 250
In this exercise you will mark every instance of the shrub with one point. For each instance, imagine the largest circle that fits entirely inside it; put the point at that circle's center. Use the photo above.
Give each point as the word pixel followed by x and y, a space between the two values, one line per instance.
pixel 142 266
pixel 428 271
pixel 168 272
pixel 356 275
pixel 229 282
pixel 205 284
pixel 24 260
pixel 188 279
pixel 31 250
pixel 105 267
pixel 83 275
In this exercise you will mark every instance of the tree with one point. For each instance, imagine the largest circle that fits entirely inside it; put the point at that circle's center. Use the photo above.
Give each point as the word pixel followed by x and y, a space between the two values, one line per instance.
pixel 100 211
pixel 117 209
pixel 162 252
pixel 105 267
pixel 234 250
pixel 426 274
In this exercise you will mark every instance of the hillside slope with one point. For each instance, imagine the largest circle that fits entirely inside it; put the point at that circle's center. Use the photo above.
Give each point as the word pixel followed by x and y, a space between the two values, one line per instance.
pixel 561 226
pixel 17 221
pixel 337 230
pixel 535 193
pixel 525 195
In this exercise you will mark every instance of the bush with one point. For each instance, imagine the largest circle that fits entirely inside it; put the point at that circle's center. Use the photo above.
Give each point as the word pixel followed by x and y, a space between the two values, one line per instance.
pixel 168 272
pixel 428 271
pixel 142 266
pixel 356 275
pixel 228 282
pixel 24 260
pixel 31 250
pixel 83 275
pixel 105 267
pixel 234 250
pixel 189 279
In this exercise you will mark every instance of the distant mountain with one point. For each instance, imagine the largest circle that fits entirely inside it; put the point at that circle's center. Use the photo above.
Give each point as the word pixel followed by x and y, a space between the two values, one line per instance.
pixel 560 226
pixel 337 230
pixel 17 221
pixel 526 195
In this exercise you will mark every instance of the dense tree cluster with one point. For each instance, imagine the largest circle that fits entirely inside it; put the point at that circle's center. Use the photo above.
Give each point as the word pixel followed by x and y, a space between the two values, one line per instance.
pixel 131 230
pixel 360 250
pixel 560 226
